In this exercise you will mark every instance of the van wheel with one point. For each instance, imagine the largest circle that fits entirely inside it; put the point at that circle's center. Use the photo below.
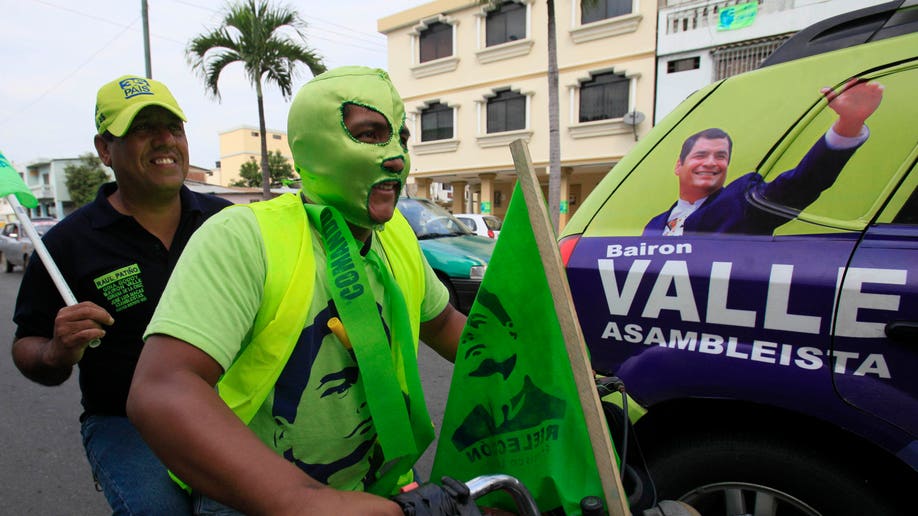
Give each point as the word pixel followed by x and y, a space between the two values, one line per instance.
pixel 9 265
pixel 758 474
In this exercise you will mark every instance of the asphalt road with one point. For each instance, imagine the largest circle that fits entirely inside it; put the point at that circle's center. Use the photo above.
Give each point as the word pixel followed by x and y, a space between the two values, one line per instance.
pixel 43 470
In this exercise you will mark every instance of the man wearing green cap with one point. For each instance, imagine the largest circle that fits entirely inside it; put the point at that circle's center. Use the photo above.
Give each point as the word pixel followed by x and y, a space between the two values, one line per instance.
pixel 116 254
pixel 316 303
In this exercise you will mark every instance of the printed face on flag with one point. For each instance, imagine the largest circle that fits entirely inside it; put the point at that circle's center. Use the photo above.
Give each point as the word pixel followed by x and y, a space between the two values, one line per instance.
pixel 490 358
pixel 490 344
pixel 513 406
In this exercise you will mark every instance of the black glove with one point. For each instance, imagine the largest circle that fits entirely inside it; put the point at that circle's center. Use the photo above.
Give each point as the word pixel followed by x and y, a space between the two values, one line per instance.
pixel 450 499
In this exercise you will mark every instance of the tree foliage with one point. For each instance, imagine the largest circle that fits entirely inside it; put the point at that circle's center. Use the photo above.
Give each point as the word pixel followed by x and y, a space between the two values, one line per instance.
pixel 264 39
pixel 83 180
pixel 278 166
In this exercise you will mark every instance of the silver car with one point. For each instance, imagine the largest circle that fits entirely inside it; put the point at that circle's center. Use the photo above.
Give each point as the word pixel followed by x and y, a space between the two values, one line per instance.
pixel 482 225
pixel 15 245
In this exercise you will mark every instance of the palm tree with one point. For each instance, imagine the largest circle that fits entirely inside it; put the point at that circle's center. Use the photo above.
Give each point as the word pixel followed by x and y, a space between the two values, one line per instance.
pixel 253 33
pixel 554 131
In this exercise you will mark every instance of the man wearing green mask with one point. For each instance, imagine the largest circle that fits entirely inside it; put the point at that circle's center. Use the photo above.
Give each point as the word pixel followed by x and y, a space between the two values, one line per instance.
pixel 315 306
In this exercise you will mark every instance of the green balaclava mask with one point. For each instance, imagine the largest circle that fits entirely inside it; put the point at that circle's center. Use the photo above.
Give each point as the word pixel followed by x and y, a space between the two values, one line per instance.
pixel 337 169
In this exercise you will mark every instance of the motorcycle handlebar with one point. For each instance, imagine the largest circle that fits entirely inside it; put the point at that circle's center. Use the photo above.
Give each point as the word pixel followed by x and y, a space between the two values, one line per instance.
pixel 484 484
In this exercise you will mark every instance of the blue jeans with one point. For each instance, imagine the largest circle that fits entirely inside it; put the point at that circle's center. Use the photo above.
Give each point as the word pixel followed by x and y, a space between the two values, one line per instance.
pixel 132 477
pixel 204 506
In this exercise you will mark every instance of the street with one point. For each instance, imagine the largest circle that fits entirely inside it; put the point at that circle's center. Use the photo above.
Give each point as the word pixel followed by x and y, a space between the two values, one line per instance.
pixel 43 470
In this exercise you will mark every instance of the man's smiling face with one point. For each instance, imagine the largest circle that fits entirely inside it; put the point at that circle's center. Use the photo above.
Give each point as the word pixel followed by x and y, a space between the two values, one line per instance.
pixel 152 155
pixel 704 170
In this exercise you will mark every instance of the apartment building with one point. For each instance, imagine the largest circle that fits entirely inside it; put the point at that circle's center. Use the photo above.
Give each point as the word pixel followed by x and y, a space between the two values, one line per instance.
pixel 703 41
pixel 474 77
pixel 243 144
pixel 47 179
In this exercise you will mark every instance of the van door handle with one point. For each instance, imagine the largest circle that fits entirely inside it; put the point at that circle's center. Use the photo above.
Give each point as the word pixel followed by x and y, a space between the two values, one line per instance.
pixel 903 331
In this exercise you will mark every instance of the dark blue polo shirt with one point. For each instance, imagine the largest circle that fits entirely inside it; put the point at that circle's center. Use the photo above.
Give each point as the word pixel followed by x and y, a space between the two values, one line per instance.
pixel 109 259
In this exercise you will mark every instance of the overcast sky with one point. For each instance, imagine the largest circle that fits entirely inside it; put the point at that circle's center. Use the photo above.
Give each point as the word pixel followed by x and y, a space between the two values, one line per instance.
pixel 56 53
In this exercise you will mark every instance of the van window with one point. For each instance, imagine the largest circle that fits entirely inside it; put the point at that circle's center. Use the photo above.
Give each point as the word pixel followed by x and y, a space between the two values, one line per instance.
pixel 902 208
pixel 772 116
pixel 870 176
pixel 909 212
pixel 767 113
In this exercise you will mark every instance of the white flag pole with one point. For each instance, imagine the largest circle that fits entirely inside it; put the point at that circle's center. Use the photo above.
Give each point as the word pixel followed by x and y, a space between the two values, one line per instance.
pixel 53 271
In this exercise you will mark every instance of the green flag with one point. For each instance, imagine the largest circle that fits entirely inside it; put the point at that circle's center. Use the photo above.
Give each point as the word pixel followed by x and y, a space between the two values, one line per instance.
pixel 737 16
pixel 513 405
pixel 11 183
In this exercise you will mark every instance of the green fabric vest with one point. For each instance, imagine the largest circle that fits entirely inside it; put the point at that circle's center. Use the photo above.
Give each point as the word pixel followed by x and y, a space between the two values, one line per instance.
pixel 289 284
pixel 288 290
pixel 287 296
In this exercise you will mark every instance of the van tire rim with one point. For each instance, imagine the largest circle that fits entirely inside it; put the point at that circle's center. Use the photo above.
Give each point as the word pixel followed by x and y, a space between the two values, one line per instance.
pixel 741 499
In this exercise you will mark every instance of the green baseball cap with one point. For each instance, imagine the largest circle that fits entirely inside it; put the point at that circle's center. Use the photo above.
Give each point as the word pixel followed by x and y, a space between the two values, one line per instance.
pixel 119 101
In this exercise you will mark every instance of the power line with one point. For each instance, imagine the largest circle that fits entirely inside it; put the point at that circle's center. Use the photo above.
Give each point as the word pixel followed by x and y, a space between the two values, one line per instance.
pixel 79 13
pixel 366 36
pixel 350 32
pixel 201 7
pixel 182 44
pixel 371 41
pixel 58 83
pixel 104 20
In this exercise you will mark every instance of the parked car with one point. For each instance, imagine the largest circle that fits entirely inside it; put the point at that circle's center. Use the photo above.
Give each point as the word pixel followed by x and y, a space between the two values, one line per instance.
pixel 458 256
pixel 481 224
pixel 15 245
pixel 779 368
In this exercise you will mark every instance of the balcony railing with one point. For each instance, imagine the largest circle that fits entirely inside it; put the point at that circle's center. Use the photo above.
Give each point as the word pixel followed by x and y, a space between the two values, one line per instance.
pixel 705 15
pixel 42 191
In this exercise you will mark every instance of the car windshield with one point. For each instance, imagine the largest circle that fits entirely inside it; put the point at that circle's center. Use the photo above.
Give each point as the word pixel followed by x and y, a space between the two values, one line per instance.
pixel 42 226
pixel 429 220
pixel 493 223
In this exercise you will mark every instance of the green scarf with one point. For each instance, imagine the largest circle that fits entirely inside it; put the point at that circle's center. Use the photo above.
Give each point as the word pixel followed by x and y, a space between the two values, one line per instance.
pixel 396 403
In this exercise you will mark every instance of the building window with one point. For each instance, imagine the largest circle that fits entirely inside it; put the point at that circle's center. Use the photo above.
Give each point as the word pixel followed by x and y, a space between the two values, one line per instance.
pixel 604 96
pixel 276 136
pixel 736 59
pixel 506 112
pixel 255 134
pixel 506 23
pixel 683 65
pixel 603 9
pixel 436 41
pixel 436 122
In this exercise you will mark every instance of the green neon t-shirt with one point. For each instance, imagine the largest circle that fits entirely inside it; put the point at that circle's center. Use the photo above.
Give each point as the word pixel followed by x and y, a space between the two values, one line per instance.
pixel 316 415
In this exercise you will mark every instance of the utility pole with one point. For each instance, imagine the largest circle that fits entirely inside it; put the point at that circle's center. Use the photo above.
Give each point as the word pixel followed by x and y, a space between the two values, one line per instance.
pixel 146 37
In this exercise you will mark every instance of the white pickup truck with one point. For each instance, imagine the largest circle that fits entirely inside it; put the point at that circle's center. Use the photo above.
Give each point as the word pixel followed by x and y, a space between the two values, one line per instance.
pixel 15 245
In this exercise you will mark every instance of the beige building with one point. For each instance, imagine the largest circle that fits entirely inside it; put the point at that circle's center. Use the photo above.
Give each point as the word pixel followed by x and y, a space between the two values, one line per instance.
pixel 474 78
pixel 243 144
